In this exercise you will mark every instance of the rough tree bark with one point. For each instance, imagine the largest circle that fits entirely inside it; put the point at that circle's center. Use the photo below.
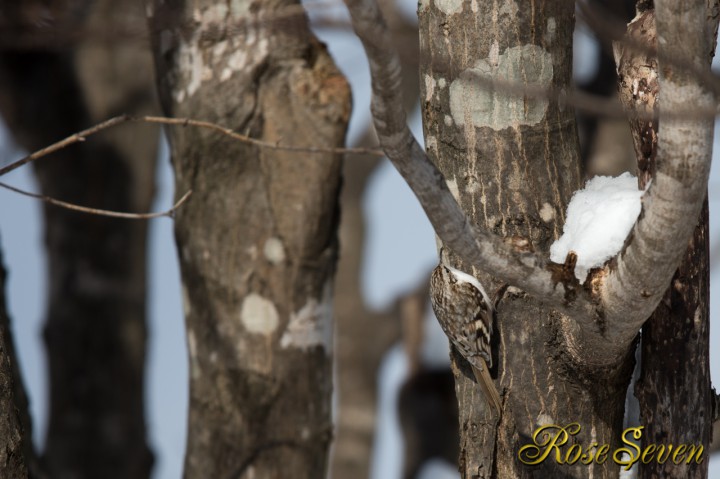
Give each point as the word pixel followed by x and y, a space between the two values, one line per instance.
pixel 57 84
pixel 675 339
pixel 513 164
pixel 582 351
pixel 17 455
pixel 257 241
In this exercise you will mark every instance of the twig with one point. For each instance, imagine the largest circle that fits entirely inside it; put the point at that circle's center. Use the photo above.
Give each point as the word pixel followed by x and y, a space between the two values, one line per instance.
pixel 253 141
pixel 76 138
pixel 81 136
pixel 113 214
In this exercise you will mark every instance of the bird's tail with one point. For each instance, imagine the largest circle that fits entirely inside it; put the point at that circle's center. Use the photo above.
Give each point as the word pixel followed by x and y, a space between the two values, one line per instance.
pixel 486 383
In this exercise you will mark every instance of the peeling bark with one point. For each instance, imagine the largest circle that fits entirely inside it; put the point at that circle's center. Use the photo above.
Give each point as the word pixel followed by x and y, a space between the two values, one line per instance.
pixel 257 240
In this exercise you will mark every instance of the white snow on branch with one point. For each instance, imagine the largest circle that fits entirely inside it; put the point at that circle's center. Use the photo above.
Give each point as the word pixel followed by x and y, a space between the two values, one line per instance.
pixel 599 218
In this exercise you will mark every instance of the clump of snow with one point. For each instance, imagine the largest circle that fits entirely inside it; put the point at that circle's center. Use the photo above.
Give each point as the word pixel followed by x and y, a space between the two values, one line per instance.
pixel 599 218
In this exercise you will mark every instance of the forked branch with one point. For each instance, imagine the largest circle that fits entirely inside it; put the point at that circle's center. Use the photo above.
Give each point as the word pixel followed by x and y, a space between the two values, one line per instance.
pixel 672 204
pixel 624 296
pixel 480 248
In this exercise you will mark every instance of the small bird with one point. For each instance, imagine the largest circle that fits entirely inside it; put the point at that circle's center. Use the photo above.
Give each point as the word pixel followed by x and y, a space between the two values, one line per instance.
pixel 465 313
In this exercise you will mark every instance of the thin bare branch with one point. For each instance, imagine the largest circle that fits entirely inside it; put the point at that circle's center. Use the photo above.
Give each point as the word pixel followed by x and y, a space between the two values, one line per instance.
pixel 480 248
pixel 94 211
pixel 76 138
pixel 252 141
pixel 672 204
pixel 115 121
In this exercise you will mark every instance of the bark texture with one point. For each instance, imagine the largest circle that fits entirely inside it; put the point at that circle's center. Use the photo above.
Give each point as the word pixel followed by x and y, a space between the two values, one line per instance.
pixel 95 327
pixel 257 241
pixel 674 387
pixel 512 162
pixel 17 457
pixel 594 329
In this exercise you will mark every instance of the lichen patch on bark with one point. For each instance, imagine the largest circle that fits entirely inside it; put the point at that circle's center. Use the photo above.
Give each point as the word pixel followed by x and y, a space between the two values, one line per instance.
pixel 453 187
pixel 547 212
pixel 274 250
pixel 472 98
pixel 258 314
pixel 311 325
pixel 449 7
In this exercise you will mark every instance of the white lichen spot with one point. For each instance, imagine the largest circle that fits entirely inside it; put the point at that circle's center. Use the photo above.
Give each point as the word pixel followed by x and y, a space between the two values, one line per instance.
pixel 237 60
pixel 186 301
pixel 226 74
pixel 472 98
pixel 207 73
pixel 473 186
pixel 258 315
pixel 448 120
pixel 453 187
pixel 305 433
pixel 547 212
pixel 474 6
pixel 274 250
pixel 215 13
pixel 238 54
pixel 214 357
pixel 561 101
pixel 449 7
pixel 429 87
pixel 544 419
pixel 550 30
pixel 311 326
pixel 219 48
pixel 494 54
pixel 192 351
pixel 239 7
pixel 431 143
pixel 441 82
pixel 190 59
pixel 509 8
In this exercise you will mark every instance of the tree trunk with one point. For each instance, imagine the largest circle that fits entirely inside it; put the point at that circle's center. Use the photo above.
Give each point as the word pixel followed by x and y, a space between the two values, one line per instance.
pixel 257 241
pixel 512 162
pixel 675 339
pixel 17 457
pixel 95 328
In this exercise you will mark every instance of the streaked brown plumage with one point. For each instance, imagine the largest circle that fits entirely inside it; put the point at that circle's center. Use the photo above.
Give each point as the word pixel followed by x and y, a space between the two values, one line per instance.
pixel 465 313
